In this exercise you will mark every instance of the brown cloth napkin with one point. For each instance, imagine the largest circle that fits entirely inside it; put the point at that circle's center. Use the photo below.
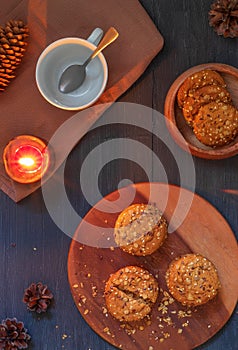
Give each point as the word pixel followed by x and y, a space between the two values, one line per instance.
pixel 23 110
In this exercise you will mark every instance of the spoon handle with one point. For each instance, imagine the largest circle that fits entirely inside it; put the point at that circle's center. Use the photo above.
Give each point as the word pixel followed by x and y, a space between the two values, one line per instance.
pixel 108 38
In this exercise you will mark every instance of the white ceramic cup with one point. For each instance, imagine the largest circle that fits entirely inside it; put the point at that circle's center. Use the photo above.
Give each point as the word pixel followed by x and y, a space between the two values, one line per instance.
pixel 61 54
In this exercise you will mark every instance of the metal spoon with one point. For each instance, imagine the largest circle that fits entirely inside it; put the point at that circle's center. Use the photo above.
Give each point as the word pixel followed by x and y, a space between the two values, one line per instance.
pixel 74 75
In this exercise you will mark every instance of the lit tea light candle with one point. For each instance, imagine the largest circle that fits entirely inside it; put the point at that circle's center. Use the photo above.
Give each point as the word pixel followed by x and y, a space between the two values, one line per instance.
pixel 26 159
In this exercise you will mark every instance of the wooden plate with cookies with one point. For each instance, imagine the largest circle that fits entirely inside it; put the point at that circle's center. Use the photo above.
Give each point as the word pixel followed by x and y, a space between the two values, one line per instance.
pixel 201 106
pixel 182 293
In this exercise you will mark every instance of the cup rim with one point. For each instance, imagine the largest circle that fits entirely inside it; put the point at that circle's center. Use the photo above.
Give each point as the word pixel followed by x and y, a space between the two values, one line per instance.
pixel 65 41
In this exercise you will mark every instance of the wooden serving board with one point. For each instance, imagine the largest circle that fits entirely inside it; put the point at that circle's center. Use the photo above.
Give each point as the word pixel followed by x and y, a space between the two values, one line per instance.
pixel 177 124
pixel 202 230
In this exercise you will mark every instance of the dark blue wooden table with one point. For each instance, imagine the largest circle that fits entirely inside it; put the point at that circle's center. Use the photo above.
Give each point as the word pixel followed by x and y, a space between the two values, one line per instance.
pixel 33 248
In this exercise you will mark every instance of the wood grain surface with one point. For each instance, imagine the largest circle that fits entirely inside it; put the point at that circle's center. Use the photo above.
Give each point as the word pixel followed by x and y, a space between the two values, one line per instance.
pixel 202 230
pixel 177 124
pixel 33 248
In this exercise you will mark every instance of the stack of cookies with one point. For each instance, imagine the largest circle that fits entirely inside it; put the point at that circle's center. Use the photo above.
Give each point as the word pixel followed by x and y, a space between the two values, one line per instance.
pixel 207 107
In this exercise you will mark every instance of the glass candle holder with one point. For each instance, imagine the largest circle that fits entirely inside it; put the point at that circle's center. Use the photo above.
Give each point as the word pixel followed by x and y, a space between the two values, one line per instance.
pixel 26 158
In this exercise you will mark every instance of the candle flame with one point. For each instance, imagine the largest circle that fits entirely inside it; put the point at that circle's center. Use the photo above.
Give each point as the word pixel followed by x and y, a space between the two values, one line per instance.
pixel 26 161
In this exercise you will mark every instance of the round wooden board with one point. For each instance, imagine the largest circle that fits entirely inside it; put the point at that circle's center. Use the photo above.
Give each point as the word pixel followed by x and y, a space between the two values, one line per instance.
pixel 203 230
pixel 177 124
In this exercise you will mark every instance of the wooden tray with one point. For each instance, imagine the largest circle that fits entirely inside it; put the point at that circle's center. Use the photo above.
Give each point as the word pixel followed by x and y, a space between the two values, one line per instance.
pixel 203 230
pixel 177 124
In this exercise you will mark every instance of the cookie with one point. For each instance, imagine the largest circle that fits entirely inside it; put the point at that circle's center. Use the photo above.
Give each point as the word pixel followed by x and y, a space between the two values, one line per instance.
pixel 190 109
pixel 130 293
pixel 201 96
pixel 192 279
pixel 197 80
pixel 140 229
pixel 216 124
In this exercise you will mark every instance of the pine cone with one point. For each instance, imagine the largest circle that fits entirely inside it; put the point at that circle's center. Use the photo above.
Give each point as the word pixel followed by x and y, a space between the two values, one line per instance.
pixel 12 46
pixel 13 335
pixel 223 16
pixel 37 297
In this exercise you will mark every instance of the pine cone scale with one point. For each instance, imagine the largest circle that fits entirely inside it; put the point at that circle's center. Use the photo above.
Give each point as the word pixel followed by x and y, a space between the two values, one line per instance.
pixel 32 304
pixel 234 13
